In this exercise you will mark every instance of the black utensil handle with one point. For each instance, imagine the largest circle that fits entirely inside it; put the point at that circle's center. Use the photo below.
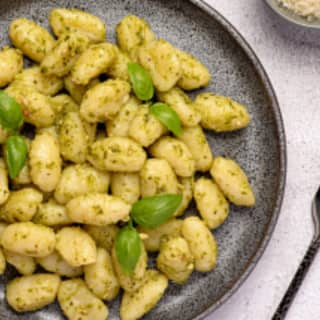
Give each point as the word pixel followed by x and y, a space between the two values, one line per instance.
pixel 297 281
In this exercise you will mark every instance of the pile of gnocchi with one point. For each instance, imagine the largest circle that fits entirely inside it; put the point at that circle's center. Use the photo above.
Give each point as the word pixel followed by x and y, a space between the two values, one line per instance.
pixel 113 154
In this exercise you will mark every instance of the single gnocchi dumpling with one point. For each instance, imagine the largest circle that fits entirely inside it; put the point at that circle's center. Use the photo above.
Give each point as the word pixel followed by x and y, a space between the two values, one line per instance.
pixel 182 105
pixel 100 276
pixel 30 239
pixel 211 203
pixel 45 162
pixel 60 60
pixel 56 264
pixel 103 101
pixel 194 74
pixel 51 214
pixel 73 138
pixel 154 236
pixel 233 182
pixel 145 128
pixel 77 91
pixel 126 186
pixel 11 63
pixel 33 292
pixel 78 302
pixel 221 113
pixel 133 32
pixel 34 41
pixel 159 58
pixel 135 304
pixel 119 68
pixel 80 179
pixel 176 153
pixel 120 124
pixel 76 246
pixel 23 264
pixel 64 20
pixel 118 154
pixel 104 236
pixel 93 62
pixel 132 282
pixel 98 209
pixel 175 259
pixel 33 77
pixel 36 107
pixel 202 243
pixel 158 177
pixel 62 104
pixel 22 205
pixel 196 141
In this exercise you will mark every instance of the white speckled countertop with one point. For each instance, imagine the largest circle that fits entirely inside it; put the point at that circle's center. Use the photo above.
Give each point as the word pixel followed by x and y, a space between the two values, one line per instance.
pixel 291 57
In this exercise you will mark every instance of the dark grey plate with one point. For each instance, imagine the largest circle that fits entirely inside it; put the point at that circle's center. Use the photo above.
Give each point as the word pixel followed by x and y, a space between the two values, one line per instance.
pixel 260 149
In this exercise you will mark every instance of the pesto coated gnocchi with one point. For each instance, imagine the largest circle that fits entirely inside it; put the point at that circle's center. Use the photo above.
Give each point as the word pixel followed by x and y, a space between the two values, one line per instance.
pixel 103 150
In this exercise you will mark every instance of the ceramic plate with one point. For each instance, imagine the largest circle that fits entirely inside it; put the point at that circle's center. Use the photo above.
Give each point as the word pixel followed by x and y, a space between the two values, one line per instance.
pixel 292 17
pixel 260 149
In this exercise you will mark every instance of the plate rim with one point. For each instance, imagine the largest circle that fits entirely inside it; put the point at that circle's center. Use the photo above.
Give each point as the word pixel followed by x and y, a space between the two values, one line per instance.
pixel 275 107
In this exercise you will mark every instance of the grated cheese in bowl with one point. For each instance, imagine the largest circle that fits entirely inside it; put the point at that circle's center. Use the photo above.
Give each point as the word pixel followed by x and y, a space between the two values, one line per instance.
pixel 305 8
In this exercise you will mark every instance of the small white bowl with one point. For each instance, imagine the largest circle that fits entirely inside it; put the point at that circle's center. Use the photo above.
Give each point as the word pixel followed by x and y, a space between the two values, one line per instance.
pixel 290 16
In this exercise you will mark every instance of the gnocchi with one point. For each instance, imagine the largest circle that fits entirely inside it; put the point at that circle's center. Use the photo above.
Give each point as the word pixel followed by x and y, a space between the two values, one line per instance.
pixel 159 58
pixel 64 20
pixel 211 203
pixel 154 236
pixel 135 304
pixel 78 302
pixel 11 63
pixel 93 62
pixel 60 60
pixel 182 105
pixel 33 292
pixel 100 276
pixel 202 243
pixel 97 209
pixel 34 41
pixel 28 238
pixel 126 186
pixel 45 161
pixel 176 153
pixel 156 177
pixel 80 179
pixel 175 259
pixel 76 247
pixel 103 101
pixel 119 154
pixel 145 128
pixel 221 113
pixel 232 181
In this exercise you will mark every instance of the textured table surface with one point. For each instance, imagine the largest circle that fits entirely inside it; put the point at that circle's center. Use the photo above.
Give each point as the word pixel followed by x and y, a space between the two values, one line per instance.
pixel 291 57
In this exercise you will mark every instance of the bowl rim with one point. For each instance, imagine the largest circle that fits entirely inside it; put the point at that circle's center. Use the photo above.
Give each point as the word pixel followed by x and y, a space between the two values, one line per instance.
pixel 275 108
pixel 292 17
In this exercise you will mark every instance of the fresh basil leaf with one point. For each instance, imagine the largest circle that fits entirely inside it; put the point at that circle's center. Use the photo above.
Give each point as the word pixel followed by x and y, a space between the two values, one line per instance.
pixel 11 116
pixel 141 81
pixel 153 211
pixel 128 248
pixel 16 151
pixel 167 116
